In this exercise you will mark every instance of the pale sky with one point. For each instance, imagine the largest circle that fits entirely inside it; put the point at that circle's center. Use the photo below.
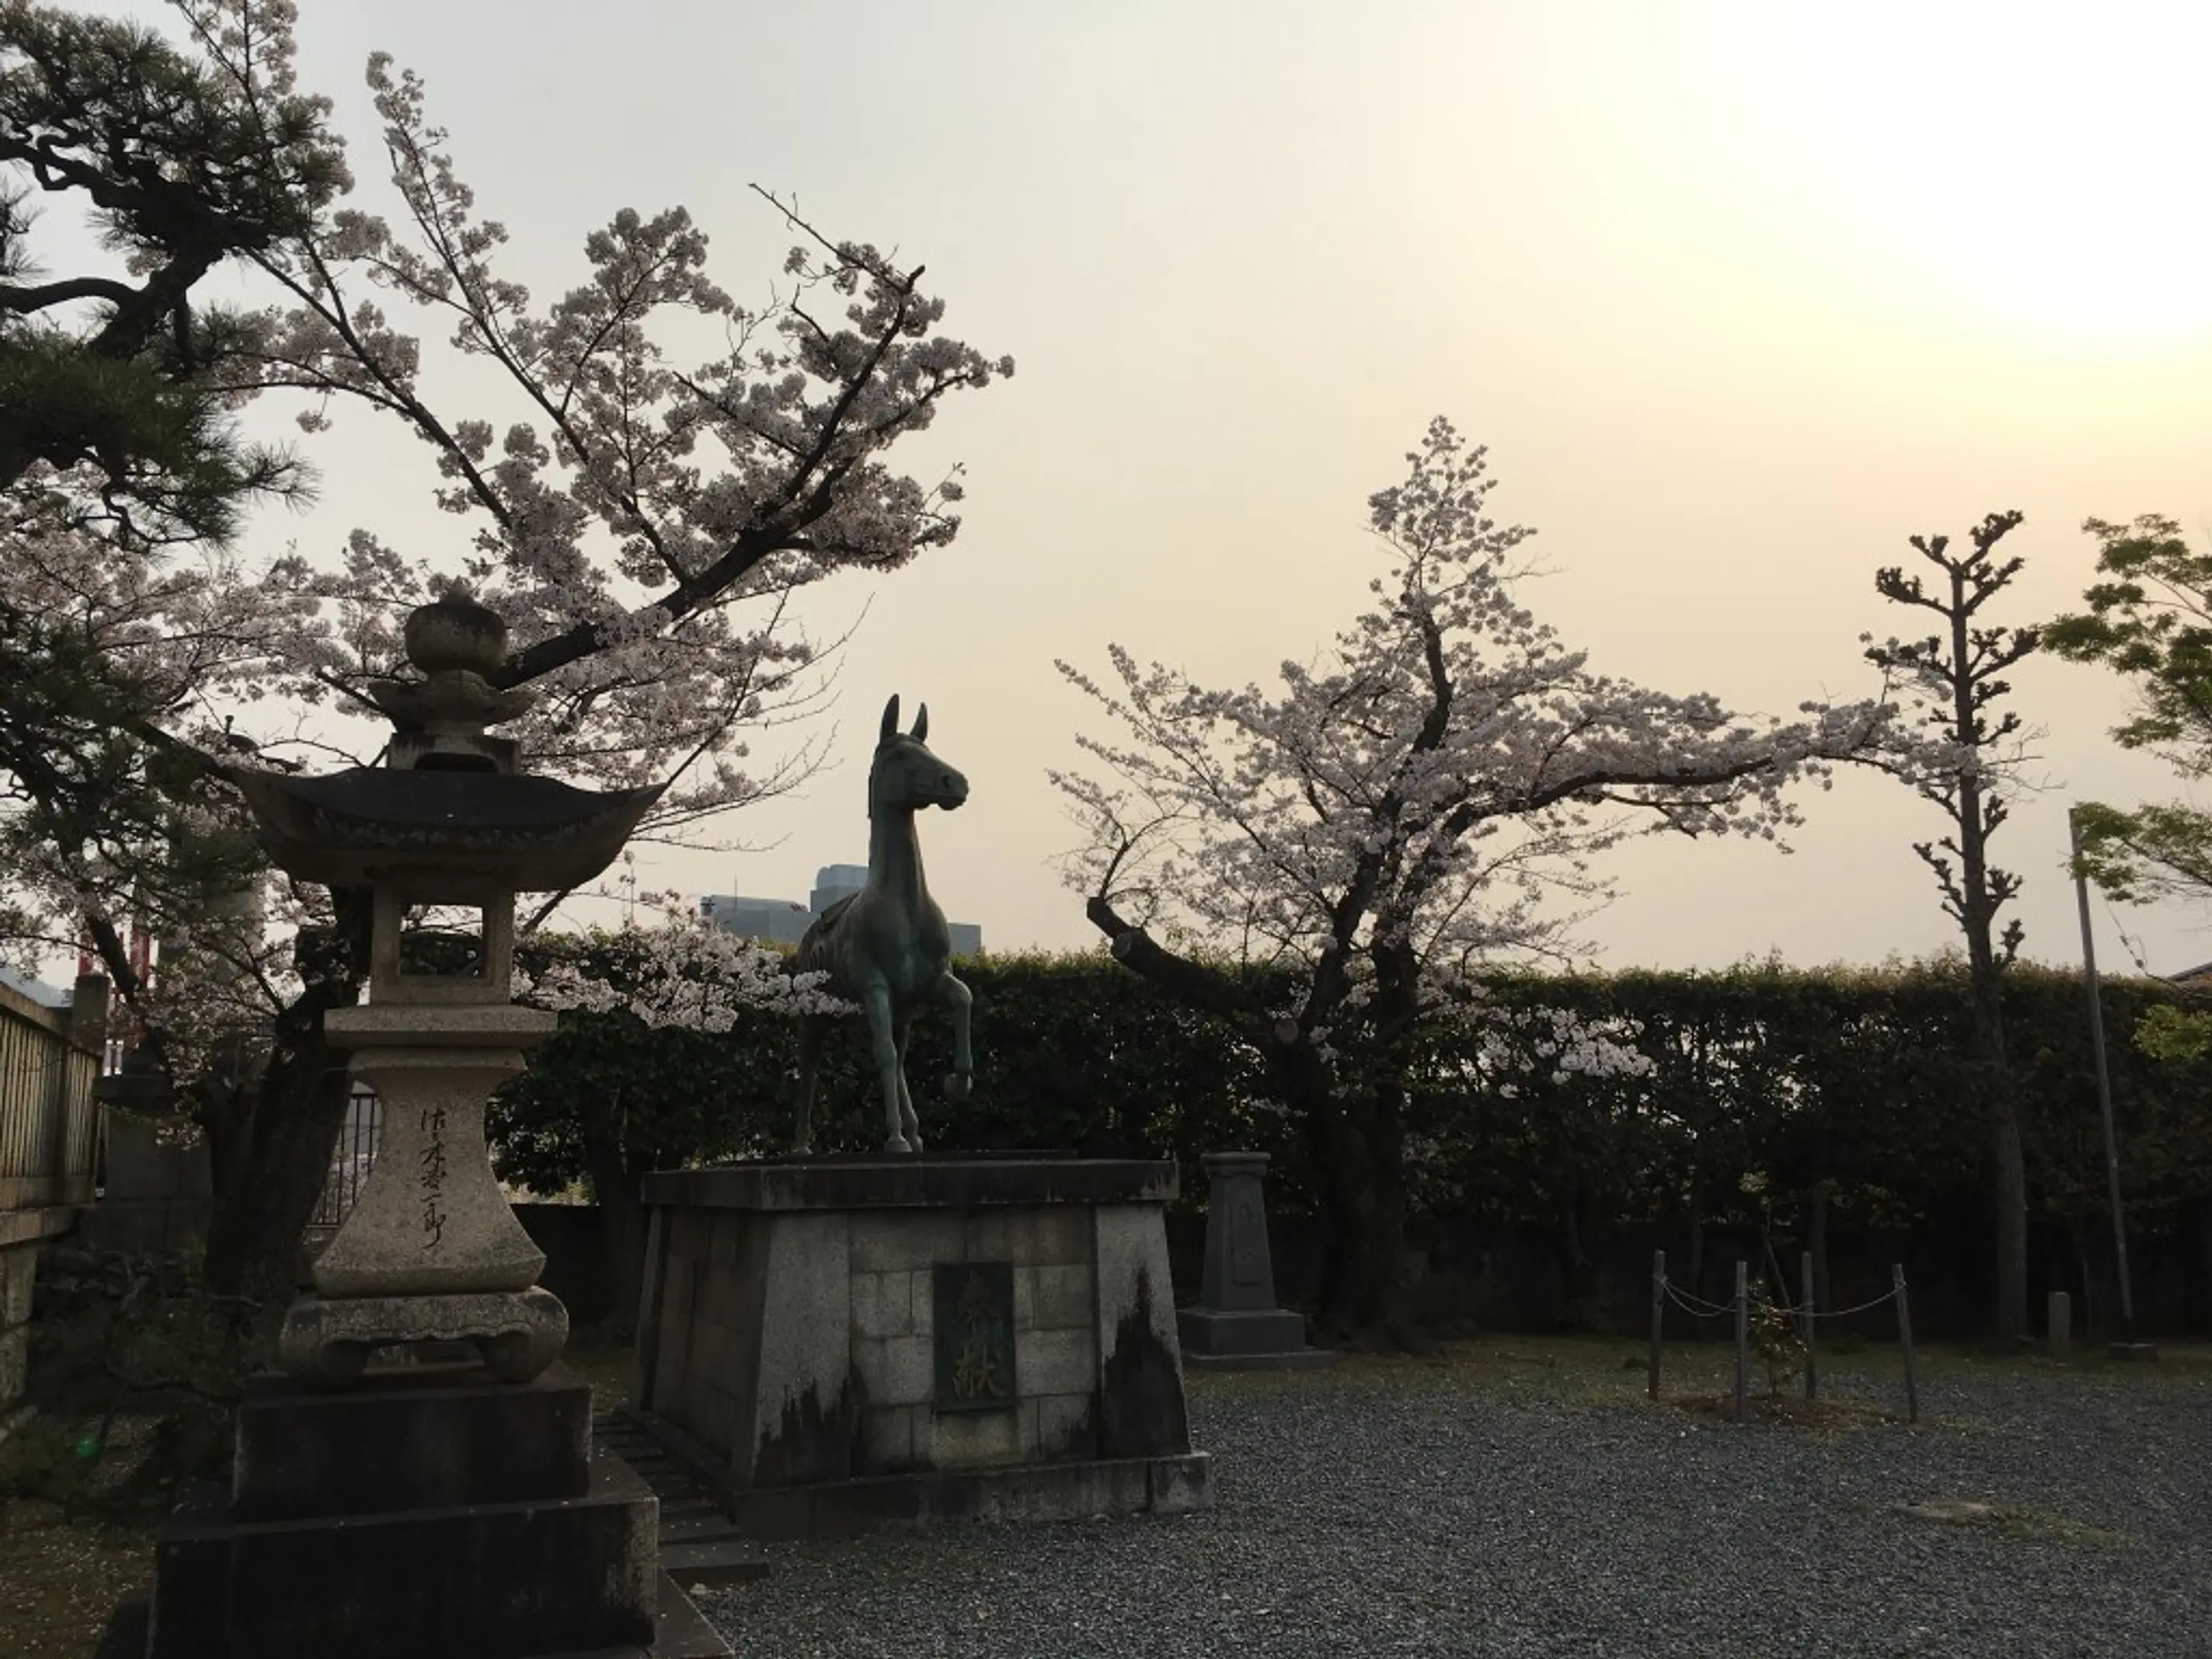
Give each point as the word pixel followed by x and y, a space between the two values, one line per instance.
pixel 1739 297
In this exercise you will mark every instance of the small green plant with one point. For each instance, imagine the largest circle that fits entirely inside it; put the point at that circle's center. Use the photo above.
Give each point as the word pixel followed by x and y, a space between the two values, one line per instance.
pixel 1774 1339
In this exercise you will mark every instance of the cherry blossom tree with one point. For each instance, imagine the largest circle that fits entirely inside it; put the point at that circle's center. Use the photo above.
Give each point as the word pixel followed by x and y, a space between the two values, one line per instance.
pixel 641 520
pixel 1427 799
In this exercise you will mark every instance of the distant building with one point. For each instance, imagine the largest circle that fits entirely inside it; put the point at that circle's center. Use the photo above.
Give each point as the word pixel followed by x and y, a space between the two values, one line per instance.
pixel 783 922
pixel 832 882
pixel 773 920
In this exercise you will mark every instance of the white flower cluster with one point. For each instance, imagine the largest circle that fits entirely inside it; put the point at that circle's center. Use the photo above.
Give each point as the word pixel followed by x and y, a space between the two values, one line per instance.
pixel 1525 1041
pixel 640 527
pixel 686 973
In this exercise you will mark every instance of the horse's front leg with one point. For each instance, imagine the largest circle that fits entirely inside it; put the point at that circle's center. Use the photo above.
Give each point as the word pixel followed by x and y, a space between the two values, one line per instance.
pixel 883 1039
pixel 810 1031
pixel 909 1124
pixel 955 996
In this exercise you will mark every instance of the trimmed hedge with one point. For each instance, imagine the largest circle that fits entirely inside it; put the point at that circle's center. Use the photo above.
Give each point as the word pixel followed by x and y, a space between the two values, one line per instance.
pixel 1773 1088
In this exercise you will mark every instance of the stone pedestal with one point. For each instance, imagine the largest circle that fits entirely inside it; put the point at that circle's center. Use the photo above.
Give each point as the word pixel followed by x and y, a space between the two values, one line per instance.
pixel 835 1343
pixel 431 1512
pixel 517 1333
pixel 432 1251
pixel 1236 1323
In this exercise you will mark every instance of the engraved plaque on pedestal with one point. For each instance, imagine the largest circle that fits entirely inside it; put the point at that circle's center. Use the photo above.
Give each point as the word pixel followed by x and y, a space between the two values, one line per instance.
pixel 973 1307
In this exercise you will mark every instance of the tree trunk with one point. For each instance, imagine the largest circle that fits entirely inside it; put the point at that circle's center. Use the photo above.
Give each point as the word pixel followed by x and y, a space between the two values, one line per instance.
pixel 1696 1245
pixel 1573 1261
pixel 1994 1078
pixel 266 1192
pixel 1360 1143
pixel 2078 1228
pixel 2202 1228
pixel 2012 1220
pixel 1363 1214
pixel 285 1129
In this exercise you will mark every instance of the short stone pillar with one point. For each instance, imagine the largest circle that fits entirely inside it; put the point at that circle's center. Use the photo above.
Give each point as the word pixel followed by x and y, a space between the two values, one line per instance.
pixel 2058 1325
pixel 1237 1322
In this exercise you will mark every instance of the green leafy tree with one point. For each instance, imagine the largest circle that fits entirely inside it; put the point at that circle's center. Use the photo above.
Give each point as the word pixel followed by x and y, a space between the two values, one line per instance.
pixel 1956 677
pixel 2150 619
pixel 122 479
pixel 183 167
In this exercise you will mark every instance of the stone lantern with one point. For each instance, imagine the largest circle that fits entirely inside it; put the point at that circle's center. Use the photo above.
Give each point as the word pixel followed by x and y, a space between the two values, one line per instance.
pixel 444 1511
pixel 431 1251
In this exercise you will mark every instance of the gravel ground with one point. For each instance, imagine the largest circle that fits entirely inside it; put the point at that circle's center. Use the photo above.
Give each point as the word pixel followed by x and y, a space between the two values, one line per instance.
pixel 1485 1507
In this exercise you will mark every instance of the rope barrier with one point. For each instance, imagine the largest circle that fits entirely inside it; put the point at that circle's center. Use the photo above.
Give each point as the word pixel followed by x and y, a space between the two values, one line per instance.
pixel 1663 1291
pixel 1711 1310
pixel 1889 1295
pixel 1794 1310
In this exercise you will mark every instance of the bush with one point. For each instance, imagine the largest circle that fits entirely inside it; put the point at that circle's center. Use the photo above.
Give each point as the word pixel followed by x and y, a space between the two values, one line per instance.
pixel 135 1371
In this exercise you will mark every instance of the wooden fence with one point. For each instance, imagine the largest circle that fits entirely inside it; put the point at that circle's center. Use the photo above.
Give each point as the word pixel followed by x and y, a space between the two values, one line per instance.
pixel 49 1120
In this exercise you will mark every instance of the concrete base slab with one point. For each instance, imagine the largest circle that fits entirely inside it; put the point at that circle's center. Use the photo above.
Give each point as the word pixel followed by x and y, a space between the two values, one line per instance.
pixel 2144 1352
pixel 679 1632
pixel 1252 1330
pixel 1031 1492
pixel 1074 1491
pixel 1296 1359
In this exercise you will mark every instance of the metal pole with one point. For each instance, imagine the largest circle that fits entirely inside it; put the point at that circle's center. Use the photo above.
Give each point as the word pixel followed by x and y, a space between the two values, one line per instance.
pixel 1658 1312
pixel 1742 1336
pixel 2103 1077
pixel 1812 1353
pixel 1904 1341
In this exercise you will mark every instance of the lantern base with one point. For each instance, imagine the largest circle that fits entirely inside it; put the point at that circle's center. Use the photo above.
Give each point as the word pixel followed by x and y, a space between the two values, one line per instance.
pixel 329 1338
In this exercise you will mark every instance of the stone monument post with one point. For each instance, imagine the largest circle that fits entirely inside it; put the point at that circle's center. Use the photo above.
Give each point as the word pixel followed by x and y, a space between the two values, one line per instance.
pixel 1237 1321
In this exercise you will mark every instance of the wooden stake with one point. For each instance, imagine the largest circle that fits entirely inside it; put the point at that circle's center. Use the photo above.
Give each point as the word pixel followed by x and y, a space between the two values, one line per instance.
pixel 1658 1312
pixel 1742 1336
pixel 1905 1336
pixel 1812 1360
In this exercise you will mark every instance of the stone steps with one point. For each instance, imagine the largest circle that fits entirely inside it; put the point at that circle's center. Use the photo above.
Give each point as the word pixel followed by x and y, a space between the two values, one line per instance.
pixel 700 1549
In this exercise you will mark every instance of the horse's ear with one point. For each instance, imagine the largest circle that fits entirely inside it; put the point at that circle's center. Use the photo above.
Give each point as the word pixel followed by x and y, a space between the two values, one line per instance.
pixel 891 718
pixel 921 724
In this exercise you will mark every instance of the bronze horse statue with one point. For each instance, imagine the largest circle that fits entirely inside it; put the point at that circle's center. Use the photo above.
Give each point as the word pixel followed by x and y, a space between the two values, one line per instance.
pixel 887 947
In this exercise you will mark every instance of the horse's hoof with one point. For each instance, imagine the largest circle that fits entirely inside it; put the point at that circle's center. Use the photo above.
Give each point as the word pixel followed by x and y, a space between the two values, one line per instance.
pixel 956 1085
pixel 900 1144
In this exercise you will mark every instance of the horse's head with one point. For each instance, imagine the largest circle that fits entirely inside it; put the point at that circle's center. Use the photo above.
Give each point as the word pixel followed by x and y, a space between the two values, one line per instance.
pixel 906 775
